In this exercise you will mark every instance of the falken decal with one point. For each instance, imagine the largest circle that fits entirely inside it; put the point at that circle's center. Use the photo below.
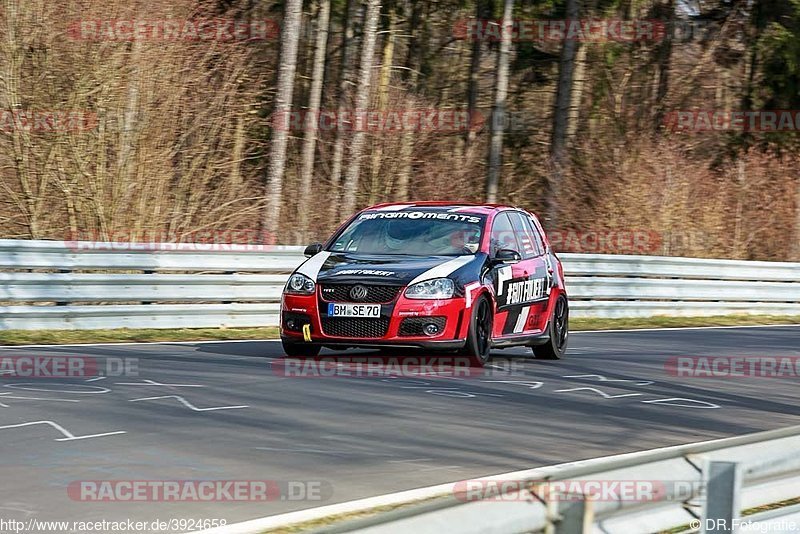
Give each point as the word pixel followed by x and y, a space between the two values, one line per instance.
pixel 526 291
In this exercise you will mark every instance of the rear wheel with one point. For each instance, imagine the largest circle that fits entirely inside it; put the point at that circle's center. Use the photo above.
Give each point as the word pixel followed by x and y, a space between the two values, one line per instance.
pixel 556 346
pixel 299 350
pixel 479 338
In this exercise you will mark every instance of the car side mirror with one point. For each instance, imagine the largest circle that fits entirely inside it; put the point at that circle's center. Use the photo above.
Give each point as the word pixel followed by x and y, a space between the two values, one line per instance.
pixel 312 250
pixel 507 256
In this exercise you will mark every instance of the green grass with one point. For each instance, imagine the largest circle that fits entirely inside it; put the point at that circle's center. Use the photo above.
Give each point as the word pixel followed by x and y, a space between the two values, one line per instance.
pixel 337 519
pixel 47 337
pixel 676 322
pixel 750 511
pixel 53 337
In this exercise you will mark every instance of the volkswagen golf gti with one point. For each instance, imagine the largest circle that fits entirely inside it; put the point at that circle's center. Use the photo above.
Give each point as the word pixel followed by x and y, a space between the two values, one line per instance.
pixel 432 275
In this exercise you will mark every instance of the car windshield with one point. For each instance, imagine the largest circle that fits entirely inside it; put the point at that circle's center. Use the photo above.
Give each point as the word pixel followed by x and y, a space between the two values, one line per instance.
pixel 413 233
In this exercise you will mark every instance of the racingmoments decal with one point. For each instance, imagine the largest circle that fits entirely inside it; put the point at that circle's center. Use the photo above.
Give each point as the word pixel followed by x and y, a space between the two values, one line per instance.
pixel 421 215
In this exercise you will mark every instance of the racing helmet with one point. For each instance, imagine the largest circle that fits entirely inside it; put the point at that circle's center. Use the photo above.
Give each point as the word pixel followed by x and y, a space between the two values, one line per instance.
pixel 399 231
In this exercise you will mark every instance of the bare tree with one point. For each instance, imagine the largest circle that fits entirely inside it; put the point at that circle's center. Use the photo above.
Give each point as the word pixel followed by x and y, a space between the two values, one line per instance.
pixel 361 103
pixel 499 109
pixel 411 74
pixel 310 140
pixel 561 114
pixel 578 85
pixel 348 39
pixel 13 51
pixel 283 106
pixel 383 97
pixel 483 11
pixel 664 11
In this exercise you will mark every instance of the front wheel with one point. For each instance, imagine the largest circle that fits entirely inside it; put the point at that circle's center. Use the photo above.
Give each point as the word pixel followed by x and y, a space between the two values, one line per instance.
pixel 556 346
pixel 479 338
pixel 299 350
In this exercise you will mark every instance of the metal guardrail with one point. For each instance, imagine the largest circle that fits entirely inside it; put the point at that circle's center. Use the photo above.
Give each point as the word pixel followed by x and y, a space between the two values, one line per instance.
pixel 82 285
pixel 700 485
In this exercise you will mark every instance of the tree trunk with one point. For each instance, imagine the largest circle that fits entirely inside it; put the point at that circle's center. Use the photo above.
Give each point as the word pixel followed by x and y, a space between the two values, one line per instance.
pixel 283 105
pixel 361 103
pixel 561 111
pixel 578 83
pixel 483 12
pixel 499 109
pixel 664 56
pixel 383 98
pixel 315 97
pixel 344 88
pixel 413 64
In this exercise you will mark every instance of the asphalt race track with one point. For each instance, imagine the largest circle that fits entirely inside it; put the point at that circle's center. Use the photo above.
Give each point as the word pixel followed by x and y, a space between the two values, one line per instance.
pixel 219 411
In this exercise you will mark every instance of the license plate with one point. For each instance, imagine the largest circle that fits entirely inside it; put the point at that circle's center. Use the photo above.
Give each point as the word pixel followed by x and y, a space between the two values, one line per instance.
pixel 354 310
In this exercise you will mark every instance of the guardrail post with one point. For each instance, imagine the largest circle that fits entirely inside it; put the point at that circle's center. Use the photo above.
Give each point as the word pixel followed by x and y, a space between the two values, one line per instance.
pixel 721 506
pixel 569 514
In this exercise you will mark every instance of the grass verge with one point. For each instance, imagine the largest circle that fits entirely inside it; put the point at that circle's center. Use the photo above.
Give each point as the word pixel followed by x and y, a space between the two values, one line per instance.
pixel 686 529
pixel 677 322
pixel 53 337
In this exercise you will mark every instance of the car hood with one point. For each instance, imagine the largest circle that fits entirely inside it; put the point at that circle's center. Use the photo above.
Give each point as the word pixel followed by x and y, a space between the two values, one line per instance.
pixel 338 267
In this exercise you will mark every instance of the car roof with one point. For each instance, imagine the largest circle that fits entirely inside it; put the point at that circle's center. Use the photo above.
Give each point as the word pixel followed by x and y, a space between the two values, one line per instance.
pixel 440 204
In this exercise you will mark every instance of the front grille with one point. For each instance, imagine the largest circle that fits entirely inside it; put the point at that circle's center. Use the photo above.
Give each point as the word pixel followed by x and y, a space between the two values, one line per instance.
pixel 355 327
pixel 412 326
pixel 375 294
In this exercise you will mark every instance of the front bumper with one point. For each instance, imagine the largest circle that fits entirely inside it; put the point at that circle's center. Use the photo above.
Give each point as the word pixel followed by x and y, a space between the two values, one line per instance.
pixel 306 310
pixel 404 343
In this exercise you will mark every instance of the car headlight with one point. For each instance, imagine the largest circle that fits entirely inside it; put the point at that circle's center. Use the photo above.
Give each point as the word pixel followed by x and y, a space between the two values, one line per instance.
pixel 300 284
pixel 438 288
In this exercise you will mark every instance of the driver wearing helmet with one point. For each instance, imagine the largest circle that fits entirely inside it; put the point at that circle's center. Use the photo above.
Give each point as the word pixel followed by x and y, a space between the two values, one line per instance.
pixel 462 241
pixel 399 233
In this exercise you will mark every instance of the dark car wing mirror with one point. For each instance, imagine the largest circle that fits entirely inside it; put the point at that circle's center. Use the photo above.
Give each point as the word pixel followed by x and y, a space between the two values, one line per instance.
pixel 507 256
pixel 312 250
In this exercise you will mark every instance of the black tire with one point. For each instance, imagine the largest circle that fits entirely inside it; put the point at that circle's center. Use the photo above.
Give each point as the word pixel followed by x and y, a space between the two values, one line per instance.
pixel 479 338
pixel 299 350
pixel 556 346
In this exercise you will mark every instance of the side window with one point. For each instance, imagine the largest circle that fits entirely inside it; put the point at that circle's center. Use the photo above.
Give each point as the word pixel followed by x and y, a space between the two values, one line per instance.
pixel 537 233
pixel 525 235
pixel 503 235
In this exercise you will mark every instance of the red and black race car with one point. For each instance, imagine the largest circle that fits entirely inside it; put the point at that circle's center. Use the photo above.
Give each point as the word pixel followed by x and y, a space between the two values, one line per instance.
pixel 433 275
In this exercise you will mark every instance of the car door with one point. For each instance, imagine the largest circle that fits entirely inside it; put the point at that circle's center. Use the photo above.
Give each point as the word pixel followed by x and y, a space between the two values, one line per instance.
pixel 519 287
pixel 539 272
